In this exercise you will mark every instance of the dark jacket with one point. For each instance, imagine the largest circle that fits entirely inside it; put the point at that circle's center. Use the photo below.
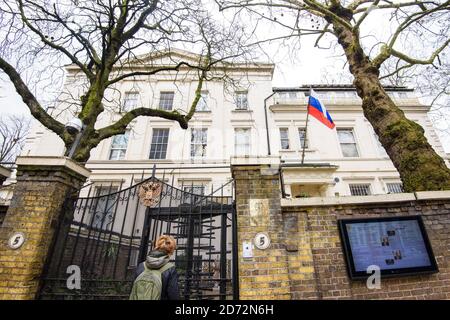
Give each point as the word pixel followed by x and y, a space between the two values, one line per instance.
pixel 169 278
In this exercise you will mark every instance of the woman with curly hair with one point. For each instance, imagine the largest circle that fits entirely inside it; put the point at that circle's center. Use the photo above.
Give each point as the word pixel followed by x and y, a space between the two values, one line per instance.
pixel 158 260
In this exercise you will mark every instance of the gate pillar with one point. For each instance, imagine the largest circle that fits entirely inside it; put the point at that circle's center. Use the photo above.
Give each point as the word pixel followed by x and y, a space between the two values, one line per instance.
pixel 264 275
pixel 43 185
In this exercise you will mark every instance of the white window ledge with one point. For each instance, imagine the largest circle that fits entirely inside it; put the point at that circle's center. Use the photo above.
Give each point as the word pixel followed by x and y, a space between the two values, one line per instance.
pixel 241 111
pixel 381 198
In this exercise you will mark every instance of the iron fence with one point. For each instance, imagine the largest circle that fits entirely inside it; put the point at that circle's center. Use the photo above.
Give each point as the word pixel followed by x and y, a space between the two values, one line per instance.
pixel 108 232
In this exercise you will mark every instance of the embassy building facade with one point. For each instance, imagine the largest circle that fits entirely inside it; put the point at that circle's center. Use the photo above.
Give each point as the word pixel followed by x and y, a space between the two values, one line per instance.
pixel 216 188
pixel 252 119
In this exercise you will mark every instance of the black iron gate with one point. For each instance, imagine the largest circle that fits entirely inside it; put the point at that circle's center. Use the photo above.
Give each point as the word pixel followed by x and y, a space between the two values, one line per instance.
pixel 108 232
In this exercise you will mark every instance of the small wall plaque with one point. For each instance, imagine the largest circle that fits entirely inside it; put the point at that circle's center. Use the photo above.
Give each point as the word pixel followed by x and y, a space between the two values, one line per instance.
pixel 259 212
pixel 16 240
pixel 247 249
pixel 262 240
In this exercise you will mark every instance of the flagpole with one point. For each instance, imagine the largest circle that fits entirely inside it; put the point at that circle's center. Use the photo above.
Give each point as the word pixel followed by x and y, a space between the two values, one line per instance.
pixel 306 126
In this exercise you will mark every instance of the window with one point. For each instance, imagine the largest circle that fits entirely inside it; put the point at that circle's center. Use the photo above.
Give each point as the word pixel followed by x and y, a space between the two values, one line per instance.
pixel 119 146
pixel 345 94
pixel 199 139
pixel 103 209
pixel 284 138
pixel 195 226
pixel 202 104
pixel 360 189
pixel 130 101
pixel 348 143
pixel 287 95
pixel 166 100
pixel 158 149
pixel 323 94
pixel 302 137
pixel 394 187
pixel 191 191
pixel 195 189
pixel 242 141
pixel 381 149
pixel 134 257
pixel 241 101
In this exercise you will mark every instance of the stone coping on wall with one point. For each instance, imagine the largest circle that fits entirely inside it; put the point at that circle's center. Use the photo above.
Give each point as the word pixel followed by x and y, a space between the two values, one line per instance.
pixel 255 160
pixel 382 198
pixel 52 162
pixel 4 172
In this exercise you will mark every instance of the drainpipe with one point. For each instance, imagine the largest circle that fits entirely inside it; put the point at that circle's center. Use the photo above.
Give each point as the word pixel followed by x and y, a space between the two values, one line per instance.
pixel 283 193
pixel 267 123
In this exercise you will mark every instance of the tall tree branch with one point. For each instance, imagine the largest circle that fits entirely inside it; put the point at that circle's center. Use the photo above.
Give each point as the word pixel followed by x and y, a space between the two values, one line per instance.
pixel 29 99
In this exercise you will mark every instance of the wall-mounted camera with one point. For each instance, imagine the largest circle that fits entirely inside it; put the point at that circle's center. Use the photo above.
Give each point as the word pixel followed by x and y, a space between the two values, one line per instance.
pixel 74 126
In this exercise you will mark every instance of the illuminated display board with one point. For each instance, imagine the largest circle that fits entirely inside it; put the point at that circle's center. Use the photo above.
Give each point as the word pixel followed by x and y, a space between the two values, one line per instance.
pixel 397 245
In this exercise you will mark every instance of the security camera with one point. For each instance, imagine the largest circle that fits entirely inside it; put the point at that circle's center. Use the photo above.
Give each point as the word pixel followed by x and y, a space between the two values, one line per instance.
pixel 74 126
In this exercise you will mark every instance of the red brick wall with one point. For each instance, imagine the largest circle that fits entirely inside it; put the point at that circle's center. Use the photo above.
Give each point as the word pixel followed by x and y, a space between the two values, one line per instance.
pixel 317 269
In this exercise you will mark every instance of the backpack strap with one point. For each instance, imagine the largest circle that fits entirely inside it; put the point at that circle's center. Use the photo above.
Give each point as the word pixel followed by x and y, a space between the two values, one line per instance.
pixel 165 267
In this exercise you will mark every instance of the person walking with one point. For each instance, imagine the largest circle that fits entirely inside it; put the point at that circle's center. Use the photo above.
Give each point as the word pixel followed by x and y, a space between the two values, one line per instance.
pixel 157 278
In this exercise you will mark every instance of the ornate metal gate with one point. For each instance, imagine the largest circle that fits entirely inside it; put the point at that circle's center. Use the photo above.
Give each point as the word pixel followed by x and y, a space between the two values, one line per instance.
pixel 107 233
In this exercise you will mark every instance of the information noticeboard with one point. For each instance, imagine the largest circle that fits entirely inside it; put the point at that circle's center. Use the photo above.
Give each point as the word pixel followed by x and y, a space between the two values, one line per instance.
pixel 397 245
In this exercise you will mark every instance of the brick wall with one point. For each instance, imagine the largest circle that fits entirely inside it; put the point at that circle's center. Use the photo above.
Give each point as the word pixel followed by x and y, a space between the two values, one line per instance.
pixel 34 210
pixel 264 276
pixel 318 270
pixel 305 259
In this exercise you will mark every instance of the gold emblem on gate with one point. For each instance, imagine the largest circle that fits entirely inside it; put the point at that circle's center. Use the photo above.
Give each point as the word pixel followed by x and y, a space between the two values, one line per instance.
pixel 149 193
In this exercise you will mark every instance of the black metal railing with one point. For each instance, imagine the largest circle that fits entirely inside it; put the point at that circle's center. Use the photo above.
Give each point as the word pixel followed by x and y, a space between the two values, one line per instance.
pixel 108 232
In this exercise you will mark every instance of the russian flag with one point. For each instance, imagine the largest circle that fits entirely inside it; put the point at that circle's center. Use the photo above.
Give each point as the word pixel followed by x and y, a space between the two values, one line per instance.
pixel 318 110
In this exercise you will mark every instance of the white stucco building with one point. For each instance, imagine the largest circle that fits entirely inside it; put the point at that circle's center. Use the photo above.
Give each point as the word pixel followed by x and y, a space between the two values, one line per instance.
pixel 250 119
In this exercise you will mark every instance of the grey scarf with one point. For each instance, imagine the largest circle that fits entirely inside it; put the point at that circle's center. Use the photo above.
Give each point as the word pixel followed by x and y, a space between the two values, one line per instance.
pixel 156 260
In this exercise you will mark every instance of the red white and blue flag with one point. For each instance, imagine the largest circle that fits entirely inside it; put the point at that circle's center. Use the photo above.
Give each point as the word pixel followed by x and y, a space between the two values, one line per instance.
pixel 317 110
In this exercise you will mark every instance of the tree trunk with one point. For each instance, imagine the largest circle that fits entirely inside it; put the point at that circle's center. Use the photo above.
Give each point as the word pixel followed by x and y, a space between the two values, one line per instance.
pixel 420 167
pixel 83 150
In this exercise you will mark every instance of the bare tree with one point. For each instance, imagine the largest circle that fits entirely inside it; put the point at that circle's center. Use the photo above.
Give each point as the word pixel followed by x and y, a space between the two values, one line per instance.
pixel 13 131
pixel 407 26
pixel 105 41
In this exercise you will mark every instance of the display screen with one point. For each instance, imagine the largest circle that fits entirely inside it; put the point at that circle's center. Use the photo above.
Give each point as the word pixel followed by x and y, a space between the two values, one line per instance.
pixel 396 245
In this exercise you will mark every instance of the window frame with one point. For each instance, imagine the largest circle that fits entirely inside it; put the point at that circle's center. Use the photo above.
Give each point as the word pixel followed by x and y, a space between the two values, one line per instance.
pixel 204 144
pixel 134 258
pixel 204 95
pixel 286 129
pixel 188 191
pixel 124 107
pixel 161 104
pixel 157 144
pixel 352 130
pixel 111 148
pixel 381 150
pixel 394 183
pixel 369 189
pixel 238 101
pixel 189 188
pixel 112 189
pixel 249 149
pixel 306 137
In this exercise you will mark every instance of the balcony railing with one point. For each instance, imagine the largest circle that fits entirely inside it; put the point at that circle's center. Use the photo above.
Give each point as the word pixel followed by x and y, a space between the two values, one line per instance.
pixel 300 98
